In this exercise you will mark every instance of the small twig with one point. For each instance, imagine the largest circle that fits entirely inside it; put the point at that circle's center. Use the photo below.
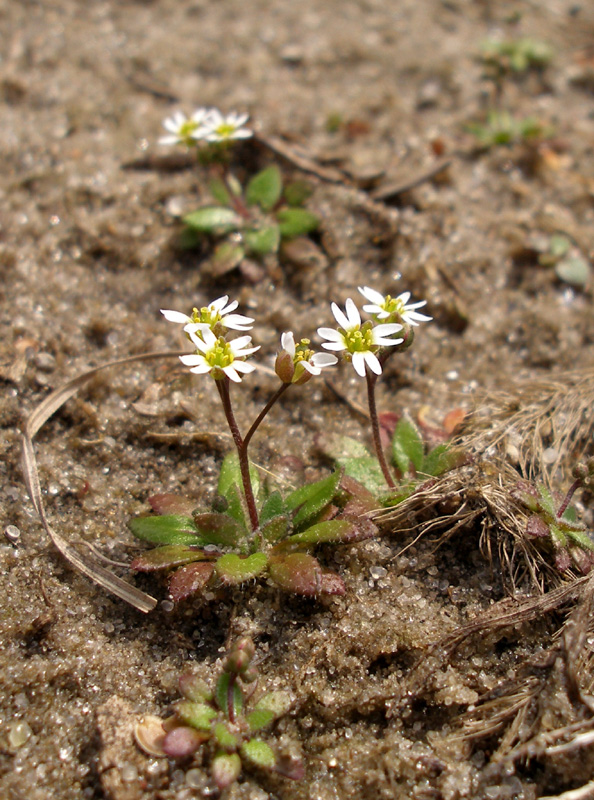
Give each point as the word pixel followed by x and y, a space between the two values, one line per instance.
pixel 392 190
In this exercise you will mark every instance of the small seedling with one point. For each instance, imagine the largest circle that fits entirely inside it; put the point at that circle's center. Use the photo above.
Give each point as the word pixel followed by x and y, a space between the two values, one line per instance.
pixel 256 532
pixel 501 129
pixel 502 58
pixel 226 722
pixel 250 222
pixel 554 521
pixel 569 265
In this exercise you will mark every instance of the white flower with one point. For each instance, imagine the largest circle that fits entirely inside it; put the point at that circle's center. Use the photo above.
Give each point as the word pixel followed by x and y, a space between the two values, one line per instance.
pixel 219 128
pixel 303 362
pixel 216 313
pixel 361 342
pixel 383 307
pixel 219 356
pixel 183 130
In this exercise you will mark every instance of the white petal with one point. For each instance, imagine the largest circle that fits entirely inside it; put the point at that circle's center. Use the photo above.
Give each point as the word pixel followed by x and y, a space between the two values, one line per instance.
pixel 168 139
pixel 238 322
pixel 202 369
pixel 231 373
pixel 372 362
pixel 218 304
pixel 386 329
pixel 192 360
pixel 334 345
pixel 359 363
pixel 175 316
pixel 237 344
pixel 372 295
pixel 288 343
pixel 331 333
pixel 352 313
pixel 383 342
pixel 313 370
pixel 321 360
pixel 420 304
pixel 241 366
pixel 243 133
pixel 340 317
pixel 380 313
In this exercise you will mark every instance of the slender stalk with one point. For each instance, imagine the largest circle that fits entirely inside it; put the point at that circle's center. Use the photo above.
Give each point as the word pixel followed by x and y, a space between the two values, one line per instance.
pixel 256 424
pixel 223 388
pixel 371 380
pixel 562 508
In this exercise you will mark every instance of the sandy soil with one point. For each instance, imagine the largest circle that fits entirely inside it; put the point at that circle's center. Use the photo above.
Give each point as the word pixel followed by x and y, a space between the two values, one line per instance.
pixel 86 262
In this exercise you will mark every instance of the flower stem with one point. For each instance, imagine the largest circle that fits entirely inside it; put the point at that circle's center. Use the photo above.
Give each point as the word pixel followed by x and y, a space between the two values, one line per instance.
pixel 371 380
pixel 244 466
pixel 256 424
pixel 566 501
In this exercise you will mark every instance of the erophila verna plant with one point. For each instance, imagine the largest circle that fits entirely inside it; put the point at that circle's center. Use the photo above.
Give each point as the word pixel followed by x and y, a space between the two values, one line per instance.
pixel 555 524
pixel 226 721
pixel 242 221
pixel 252 530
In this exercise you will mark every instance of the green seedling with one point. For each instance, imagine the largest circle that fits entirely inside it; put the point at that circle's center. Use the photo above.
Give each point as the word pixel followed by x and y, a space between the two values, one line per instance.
pixel 554 523
pixel 226 722
pixel 501 129
pixel 570 266
pixel 413 461
pixel 503 58
pixel 250 222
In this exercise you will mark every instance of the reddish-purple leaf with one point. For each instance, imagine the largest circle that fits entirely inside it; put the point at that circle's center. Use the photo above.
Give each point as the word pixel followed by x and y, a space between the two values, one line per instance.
pixel 183 741
pixel 225 769
pixel 537 528
pixel 171 504
pixel 302 574
pixel 290 767
pixel 189 580
pixel 361 498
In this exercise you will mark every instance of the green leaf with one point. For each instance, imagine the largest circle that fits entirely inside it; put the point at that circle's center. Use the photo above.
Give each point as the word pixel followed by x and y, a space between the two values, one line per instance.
pixel 229 696
pixel 574 270
pixel 259 719
pixel 275 528
pixel 296 222
pixel 219 191
pixel 231 475
pixel 547 501
pixel 581 539
pixel 194 688
pixel 297 192
pixel 340 448
pixel 262 241
pixel 213 219
pixel 166 529
pixel 559 245
pixel 309 500
pixel 442 458
pixel 232 569
pixel 367 471
pixel 198 715
pixel 333 530
pixel 224 737
pixel 225 769
pixel 278 703
pixel 219 529
pixel 407 446
pixel 171 555
pixel 265 188
pixel 259 753
pixel 273 507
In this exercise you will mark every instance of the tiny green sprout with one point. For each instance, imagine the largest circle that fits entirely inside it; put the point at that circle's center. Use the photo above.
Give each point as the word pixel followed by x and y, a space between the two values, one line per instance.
pixel 554 521
pixel 251 222
pixel 225 721
pixel 501 129
pixel 502 58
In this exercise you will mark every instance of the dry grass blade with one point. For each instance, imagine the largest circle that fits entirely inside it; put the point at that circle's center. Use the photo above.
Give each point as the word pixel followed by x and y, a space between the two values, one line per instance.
pixel 46 409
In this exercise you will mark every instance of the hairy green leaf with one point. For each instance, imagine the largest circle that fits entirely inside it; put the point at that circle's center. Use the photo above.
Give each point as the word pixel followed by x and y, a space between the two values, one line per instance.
pixel 233 570
pixel 229 696
pixel 213 219
pixel 220 529
pixel 265 188
pixel 259 753
pixel 407 446
pixel 262 241
pixel 166 529
pixel 273 506
pixel 198 715
pixel 333 530
pixel 275 529
pixel 309 500
pixel 171 555
pixel 296 222
pixel 219 191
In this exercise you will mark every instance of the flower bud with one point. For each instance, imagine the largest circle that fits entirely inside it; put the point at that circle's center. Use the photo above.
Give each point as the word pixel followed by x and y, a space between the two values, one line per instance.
pixel 284 366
